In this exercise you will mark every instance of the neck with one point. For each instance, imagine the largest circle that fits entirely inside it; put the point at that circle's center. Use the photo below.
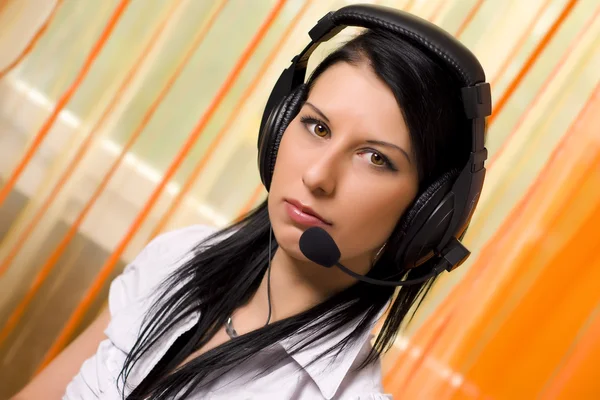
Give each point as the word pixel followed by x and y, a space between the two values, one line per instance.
pixel 296 286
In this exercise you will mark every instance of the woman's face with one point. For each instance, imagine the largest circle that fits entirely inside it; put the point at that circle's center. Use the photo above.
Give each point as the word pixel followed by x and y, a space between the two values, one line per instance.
pixel 347 157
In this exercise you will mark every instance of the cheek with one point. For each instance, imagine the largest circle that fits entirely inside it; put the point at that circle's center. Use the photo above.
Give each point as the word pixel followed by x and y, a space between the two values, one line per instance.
pixel 383 210
pixel 373 211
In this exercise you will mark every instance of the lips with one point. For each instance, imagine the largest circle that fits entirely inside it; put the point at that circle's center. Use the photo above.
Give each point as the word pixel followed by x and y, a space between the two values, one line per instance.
pixel 304 214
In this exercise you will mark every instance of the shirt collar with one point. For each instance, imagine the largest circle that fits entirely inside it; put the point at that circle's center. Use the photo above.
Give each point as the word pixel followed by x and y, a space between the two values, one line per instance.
pixel 329 372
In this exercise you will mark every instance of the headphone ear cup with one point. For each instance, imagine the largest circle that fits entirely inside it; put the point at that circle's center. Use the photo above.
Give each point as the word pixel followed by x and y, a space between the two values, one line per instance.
pixel 276 124
pixel 426 222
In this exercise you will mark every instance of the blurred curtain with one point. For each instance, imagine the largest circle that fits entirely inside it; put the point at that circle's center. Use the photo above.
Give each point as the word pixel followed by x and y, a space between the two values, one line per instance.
pixel 121 119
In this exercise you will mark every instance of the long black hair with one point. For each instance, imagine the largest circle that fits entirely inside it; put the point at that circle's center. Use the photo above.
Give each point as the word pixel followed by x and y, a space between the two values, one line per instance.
pixel 224 275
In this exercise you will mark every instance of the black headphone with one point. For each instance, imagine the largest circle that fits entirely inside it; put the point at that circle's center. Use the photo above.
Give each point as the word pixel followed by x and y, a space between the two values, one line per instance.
pixel 438 218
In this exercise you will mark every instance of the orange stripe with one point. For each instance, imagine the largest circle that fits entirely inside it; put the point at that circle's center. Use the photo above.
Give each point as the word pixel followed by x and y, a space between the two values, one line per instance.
pixel 436 11
pixel 33 42
pixel 487 252
pixel 469 18
pixel 239 106
pixel 467 284
pixel 41 276
pixel 482 336
pixel 503 291
pixel 498 107
pixel 62 102
pixel 540 47
pixel 582 131
pixel 81 151
pixel 110 264
pixel 409 5
pixel 536 137
pixel 417 364
pixel 491 250
pixel 506 227
pixel 545 85
pixel 53 259
pixel 583 348
pixel 526 35
pixel 62 246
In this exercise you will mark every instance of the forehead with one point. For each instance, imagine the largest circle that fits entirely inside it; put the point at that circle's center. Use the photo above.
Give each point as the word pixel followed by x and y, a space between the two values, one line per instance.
pixel 355 96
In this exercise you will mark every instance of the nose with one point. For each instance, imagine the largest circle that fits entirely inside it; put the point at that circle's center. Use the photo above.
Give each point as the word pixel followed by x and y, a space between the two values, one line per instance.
pixel 320 177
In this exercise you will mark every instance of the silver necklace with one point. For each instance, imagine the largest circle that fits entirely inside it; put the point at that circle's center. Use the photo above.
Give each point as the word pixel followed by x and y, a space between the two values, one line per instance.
pixel 228 323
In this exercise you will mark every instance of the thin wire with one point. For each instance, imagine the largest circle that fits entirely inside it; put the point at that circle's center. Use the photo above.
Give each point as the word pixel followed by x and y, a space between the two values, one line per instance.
pixel 269 276
pixel 229 323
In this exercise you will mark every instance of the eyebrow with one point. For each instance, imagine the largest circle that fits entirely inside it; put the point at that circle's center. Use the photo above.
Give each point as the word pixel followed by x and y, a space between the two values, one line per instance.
pixel 318 111
pixel 393 146
pixel 379 142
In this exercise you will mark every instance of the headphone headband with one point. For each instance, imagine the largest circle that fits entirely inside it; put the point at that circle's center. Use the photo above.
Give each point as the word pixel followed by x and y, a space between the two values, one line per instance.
pixel 476 95
pixel 410 26
pixel 477 101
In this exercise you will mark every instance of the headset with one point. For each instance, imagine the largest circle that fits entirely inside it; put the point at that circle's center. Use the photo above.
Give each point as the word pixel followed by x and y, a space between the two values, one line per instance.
pixel 437 220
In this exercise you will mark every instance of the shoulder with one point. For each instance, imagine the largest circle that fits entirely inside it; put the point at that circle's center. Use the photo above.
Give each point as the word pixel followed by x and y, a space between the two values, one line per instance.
pixel 175 243
pixel 133 291
pixel 160 257
pixel 363 384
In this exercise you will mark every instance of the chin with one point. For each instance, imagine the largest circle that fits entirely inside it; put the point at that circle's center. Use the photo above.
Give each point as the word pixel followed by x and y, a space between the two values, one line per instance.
pixel 288 238
pixel 295 253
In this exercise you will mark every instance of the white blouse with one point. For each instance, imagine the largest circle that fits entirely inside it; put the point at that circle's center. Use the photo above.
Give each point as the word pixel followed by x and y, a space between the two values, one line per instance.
pixel 129 298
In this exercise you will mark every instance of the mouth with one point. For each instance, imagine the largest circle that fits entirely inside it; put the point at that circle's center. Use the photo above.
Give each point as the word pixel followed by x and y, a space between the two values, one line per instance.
pixel 303 214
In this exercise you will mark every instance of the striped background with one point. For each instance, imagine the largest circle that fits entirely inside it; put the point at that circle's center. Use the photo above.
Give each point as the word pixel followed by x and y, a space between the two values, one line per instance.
pixel 122 119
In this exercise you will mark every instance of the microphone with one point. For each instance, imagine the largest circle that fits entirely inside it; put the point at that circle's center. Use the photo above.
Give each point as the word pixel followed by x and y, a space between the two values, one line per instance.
pixel 319 247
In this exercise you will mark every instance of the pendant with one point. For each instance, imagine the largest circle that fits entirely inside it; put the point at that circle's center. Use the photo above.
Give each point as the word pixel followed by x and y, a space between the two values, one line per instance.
pixel 229 329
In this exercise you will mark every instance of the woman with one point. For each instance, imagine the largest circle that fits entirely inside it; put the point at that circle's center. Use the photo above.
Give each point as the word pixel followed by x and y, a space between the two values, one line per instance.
pixel 204 314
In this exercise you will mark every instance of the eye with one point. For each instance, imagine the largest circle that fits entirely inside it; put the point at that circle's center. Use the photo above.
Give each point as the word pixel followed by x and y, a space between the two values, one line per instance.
pixel 320 130
pixel 315 126
pixel 378 160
